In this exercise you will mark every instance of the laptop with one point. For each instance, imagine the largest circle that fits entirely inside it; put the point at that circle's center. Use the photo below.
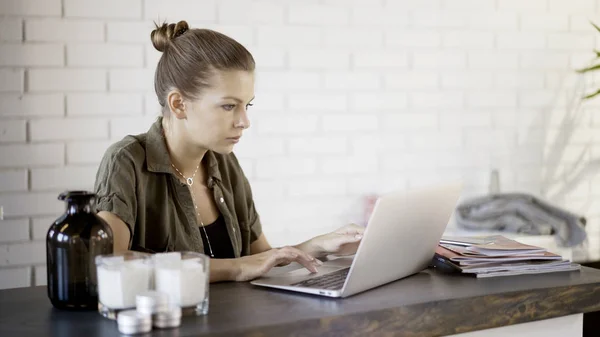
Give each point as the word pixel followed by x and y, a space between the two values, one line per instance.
pixel 400 239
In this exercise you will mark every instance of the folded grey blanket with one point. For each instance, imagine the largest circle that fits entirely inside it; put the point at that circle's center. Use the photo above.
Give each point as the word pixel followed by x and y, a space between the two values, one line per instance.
pixel 521 213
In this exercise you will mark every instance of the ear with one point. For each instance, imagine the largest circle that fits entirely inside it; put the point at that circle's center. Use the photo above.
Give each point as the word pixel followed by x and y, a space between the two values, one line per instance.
pixel 176 104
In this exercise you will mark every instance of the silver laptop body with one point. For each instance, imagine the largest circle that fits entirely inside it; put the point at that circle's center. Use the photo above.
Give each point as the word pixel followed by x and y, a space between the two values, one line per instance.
pixel 399 240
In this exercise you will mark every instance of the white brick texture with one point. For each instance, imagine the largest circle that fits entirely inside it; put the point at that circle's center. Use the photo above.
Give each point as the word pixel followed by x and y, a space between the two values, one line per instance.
pixel 572 7
pixel 318 15
pixel 351 81
pixel 23 155
pixel 319 59
pixel 41 278
pixel 379 59
pixel 70 177
pixel 13 131
pixel 545 22
pixel 448 99
pixel 56 30
pixel 325 145
pixel 30 7
pixel 378 16
pixel 27 204
pixel 530 6
pixel 250 12
pixel 411 80
pixel 13 180
pixel 11 80
pixel 14 230
pixel 29 55
pixel 319 102
pixel 32 105
pixel 68 129
pixel 110 9
pixel 288 36
pixel 15 277
pixel 521 41
pixel 131 80
pixel 99 105
pixel 11 29
pixel 98 54
pixel 132 32
pixel 56 80
pixel 33 252
pixel 285 167
pixel 175 10
pixel 439 60
pixel 86 152
pixel 40 226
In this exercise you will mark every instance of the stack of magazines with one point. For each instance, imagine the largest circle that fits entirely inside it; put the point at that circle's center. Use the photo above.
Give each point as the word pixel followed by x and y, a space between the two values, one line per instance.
pixel 496 255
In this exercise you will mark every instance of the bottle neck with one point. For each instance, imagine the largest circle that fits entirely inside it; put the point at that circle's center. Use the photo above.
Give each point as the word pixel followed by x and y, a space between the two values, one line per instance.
pixel 73 208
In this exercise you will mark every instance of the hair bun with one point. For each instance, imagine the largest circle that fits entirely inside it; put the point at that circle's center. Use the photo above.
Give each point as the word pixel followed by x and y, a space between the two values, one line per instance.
pixel 167 32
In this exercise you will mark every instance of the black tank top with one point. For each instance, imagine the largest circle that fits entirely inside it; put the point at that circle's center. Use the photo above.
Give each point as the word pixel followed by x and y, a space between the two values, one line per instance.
pixel 219 239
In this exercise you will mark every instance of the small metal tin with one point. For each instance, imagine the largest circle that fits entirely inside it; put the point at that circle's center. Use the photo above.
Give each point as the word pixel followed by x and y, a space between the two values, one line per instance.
pixel 170 318
pixel 133 322
pixel 150 302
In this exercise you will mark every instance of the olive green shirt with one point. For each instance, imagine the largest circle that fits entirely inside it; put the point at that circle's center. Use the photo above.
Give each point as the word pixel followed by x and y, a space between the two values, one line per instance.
pixel 135 181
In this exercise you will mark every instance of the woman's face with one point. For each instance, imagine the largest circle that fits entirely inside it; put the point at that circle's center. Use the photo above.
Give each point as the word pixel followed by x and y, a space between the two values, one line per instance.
pixel 216 120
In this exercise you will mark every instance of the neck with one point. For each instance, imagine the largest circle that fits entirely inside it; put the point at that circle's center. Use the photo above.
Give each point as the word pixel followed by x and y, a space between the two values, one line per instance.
pixel 184 155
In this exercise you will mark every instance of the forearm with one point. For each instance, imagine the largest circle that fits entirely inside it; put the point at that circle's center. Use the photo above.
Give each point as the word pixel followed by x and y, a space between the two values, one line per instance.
pixel 223 270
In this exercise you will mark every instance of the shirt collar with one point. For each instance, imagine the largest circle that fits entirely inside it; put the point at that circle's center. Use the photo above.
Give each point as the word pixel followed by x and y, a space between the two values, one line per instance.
pixel 157 154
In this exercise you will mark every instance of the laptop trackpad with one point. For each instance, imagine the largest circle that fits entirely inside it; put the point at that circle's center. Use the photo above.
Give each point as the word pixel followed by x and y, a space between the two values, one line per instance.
pixel 343 262
pixel 329 266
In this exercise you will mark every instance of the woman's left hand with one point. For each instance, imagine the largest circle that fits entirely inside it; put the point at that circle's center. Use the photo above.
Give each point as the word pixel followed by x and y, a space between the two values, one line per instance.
pixel 343 241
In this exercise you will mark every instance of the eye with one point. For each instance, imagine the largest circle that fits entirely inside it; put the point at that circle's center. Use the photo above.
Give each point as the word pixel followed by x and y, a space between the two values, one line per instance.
pixel 228 107
pixel 249 105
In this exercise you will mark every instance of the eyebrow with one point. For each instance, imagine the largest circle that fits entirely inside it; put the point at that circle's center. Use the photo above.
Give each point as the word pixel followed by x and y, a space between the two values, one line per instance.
pixel 236 99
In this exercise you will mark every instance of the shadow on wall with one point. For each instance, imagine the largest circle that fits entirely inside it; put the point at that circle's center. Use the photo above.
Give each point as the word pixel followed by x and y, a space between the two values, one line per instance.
pixel 559 174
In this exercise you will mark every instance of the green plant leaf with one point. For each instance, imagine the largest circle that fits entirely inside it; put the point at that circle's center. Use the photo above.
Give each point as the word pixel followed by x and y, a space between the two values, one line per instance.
pixel 597 28
pixel 592 95
pixel 592 68
pixel 597 53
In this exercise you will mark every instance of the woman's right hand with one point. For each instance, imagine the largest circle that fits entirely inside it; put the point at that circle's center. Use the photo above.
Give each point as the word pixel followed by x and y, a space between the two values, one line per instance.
pixel 253 266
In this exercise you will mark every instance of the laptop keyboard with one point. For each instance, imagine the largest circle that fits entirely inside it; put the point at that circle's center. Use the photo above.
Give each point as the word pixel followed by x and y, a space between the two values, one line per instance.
pixel 329 281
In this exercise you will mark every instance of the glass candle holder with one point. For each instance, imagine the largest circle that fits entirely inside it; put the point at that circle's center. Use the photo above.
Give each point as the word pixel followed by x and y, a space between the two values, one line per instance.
pixel 120 278
pixel 184 276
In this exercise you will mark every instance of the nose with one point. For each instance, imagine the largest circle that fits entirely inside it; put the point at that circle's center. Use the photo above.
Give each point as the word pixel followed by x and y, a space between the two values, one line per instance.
pixel 243 122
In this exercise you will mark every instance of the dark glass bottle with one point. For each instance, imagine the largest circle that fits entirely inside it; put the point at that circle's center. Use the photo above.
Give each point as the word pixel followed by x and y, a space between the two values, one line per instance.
pixel 72 243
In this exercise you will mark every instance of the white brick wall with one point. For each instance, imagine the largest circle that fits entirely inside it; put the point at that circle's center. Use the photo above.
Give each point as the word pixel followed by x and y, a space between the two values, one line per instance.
pixel 110 9
pixel 11 80
pixel 66 80
pixel 99 54
pixel 32 105
pixel 31 7
pixel 11 29
pixel 15 277
pixel 12 131
pixel 14 230
pixel 352 97
pixel 14 54
pixel 68 129
pixel 59 30
pixel 13 180
pixel 70 177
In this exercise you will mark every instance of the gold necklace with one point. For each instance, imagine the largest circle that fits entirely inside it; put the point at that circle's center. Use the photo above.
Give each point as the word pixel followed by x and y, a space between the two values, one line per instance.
pixel 190 182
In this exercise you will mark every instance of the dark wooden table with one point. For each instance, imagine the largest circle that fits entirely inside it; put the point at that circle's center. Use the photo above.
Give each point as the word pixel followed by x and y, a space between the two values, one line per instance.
pixel 426 304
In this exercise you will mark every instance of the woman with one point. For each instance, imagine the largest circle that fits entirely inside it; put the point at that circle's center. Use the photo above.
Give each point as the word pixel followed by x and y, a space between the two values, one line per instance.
pixel 179 186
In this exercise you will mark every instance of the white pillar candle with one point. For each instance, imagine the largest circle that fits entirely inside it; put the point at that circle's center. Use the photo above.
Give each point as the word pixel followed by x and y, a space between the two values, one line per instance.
pixel 185 280
pixel 120 280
